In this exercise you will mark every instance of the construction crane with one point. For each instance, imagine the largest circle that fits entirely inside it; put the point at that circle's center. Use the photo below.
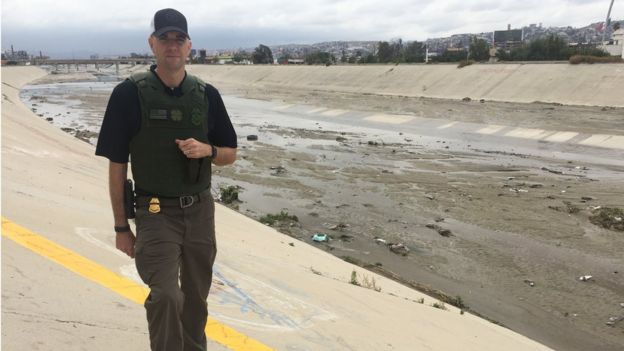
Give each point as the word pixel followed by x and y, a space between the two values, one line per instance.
pixel 607 23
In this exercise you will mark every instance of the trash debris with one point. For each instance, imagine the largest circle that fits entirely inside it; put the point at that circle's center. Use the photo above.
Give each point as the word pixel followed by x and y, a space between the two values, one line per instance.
pixel 252 137
pixel 614 320
pixel 399 248
pixel 585 278
pixel 530 282
pixel 430 197
pixel 381 241
pixel 440 230
pixel 278 170
pixel 339 226
pixel 320 237
pixel 551 170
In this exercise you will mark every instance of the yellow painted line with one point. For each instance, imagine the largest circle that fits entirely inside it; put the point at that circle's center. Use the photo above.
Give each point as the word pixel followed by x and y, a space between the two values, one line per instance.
pixel 127 288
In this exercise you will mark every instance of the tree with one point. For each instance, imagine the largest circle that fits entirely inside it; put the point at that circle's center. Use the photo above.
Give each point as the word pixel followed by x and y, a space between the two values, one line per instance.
pixel 320 57
pixel 343 57
pixel 262 55
pixel 479 49
pixel 384 52
pixel 240 56
pixel 414 52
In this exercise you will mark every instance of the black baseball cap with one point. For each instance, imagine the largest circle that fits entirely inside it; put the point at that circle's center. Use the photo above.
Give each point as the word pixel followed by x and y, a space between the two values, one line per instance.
pixel 167 20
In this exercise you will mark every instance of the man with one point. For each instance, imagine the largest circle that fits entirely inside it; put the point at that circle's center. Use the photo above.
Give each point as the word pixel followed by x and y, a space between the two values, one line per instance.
pixel 173 126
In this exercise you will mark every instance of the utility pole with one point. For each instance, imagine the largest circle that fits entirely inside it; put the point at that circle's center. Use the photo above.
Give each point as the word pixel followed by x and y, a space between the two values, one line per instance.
pixel 607 23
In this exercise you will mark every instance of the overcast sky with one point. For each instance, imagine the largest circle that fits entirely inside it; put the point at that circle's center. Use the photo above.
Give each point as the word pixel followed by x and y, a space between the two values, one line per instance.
pixel 73 27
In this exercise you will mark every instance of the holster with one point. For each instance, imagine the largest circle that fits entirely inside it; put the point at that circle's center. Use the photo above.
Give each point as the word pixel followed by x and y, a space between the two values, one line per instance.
pixel 129 199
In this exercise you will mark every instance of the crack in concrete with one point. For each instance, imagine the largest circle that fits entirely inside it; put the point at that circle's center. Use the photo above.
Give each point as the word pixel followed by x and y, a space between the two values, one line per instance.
pixel 57 320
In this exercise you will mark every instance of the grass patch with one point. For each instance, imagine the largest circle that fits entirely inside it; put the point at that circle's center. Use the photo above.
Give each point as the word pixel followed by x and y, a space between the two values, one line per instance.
pixel 271 219
pixel 608 218
pixel 229 194
pixel 578 59
pixel 439 305
pixel 368 283
pixel 464 63
pixel 354 279
pixel 352 260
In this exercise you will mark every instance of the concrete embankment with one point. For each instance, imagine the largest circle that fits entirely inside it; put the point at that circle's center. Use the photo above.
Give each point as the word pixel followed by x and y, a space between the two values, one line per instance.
pixel 283 293
pixel 598 84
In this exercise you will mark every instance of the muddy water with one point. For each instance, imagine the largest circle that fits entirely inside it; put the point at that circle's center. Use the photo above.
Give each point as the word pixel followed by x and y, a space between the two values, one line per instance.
pixel 506 212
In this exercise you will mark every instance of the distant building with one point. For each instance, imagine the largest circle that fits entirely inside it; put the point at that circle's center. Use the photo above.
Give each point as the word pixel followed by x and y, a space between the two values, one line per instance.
pixel 615 47
pixel 202 55
pixel 508 39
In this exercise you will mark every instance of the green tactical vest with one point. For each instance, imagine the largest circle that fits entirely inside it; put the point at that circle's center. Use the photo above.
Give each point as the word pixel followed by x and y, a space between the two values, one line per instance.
pixel 158 166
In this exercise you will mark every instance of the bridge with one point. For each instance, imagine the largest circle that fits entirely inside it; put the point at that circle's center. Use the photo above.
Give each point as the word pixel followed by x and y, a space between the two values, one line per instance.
pixel 96 62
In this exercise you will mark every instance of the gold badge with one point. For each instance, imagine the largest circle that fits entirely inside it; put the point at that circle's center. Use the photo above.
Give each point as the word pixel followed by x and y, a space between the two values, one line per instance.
pixel 154 205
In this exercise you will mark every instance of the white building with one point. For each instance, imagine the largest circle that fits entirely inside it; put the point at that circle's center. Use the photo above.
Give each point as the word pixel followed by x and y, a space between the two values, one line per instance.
pixel 616 46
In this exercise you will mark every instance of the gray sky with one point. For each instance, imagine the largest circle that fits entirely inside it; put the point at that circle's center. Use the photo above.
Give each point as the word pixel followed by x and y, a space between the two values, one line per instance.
pixel 79 27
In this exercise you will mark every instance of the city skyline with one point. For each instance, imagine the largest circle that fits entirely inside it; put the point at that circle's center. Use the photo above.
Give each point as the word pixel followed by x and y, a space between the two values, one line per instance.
pixel 117 27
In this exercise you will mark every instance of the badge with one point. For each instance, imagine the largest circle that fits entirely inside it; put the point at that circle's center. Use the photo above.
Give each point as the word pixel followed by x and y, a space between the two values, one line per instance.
pixel 196 117
pixel 154 205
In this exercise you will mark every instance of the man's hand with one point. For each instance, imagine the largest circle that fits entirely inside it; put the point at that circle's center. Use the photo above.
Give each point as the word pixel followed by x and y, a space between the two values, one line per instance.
pixel 193 148
pixel 125 242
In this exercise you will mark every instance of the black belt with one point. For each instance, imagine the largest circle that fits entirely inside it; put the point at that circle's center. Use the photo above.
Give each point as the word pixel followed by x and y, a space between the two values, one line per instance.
pixel 184 201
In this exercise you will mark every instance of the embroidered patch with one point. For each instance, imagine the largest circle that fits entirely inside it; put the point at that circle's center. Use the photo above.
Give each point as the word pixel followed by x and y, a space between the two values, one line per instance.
pixel 196 117
pixel 176 115
pixel 158 114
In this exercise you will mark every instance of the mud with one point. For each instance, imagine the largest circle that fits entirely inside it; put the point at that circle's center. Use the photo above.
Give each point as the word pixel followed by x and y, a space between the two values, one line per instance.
pixel 508 234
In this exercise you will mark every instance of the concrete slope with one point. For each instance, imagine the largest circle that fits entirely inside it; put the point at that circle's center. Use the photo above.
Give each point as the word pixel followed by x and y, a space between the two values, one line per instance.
pixel 599 84
pixel 285 294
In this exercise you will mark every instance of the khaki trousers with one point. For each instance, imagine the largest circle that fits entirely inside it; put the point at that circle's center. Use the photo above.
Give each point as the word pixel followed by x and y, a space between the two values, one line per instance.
pixel 175 252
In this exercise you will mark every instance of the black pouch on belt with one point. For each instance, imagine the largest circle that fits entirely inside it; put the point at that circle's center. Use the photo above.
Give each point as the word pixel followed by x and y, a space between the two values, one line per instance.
pixel 194 169
pixel 129 200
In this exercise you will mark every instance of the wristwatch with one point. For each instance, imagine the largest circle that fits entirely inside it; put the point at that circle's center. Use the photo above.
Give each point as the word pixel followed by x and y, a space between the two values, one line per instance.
pixel 122 229
pixel 214 152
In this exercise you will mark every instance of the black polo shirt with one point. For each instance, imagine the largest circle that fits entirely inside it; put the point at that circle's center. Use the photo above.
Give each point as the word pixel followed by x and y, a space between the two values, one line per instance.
pixel 122 120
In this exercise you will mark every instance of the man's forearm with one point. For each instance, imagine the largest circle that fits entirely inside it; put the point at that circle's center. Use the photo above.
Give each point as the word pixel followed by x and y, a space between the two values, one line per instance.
pixel 117 174
pixel 225 156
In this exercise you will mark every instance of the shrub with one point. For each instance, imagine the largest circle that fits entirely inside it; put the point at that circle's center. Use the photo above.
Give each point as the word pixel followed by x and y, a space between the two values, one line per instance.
pixel 464 63
pixel 229 194
pixel 270 219
pixel 608 218
pixel 578 59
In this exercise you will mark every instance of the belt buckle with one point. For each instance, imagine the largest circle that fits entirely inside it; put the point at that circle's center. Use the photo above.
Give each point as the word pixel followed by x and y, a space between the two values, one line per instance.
pixel 186 201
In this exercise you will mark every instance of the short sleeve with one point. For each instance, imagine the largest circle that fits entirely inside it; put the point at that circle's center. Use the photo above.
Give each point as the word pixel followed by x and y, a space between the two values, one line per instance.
pixel 122 121
pixel 221 132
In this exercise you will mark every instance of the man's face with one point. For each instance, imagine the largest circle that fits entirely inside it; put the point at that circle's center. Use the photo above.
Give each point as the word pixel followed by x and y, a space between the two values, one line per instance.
pixel 170 49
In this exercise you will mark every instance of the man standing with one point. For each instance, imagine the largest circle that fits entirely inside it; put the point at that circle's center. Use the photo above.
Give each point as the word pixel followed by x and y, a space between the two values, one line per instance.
pixel 173 126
